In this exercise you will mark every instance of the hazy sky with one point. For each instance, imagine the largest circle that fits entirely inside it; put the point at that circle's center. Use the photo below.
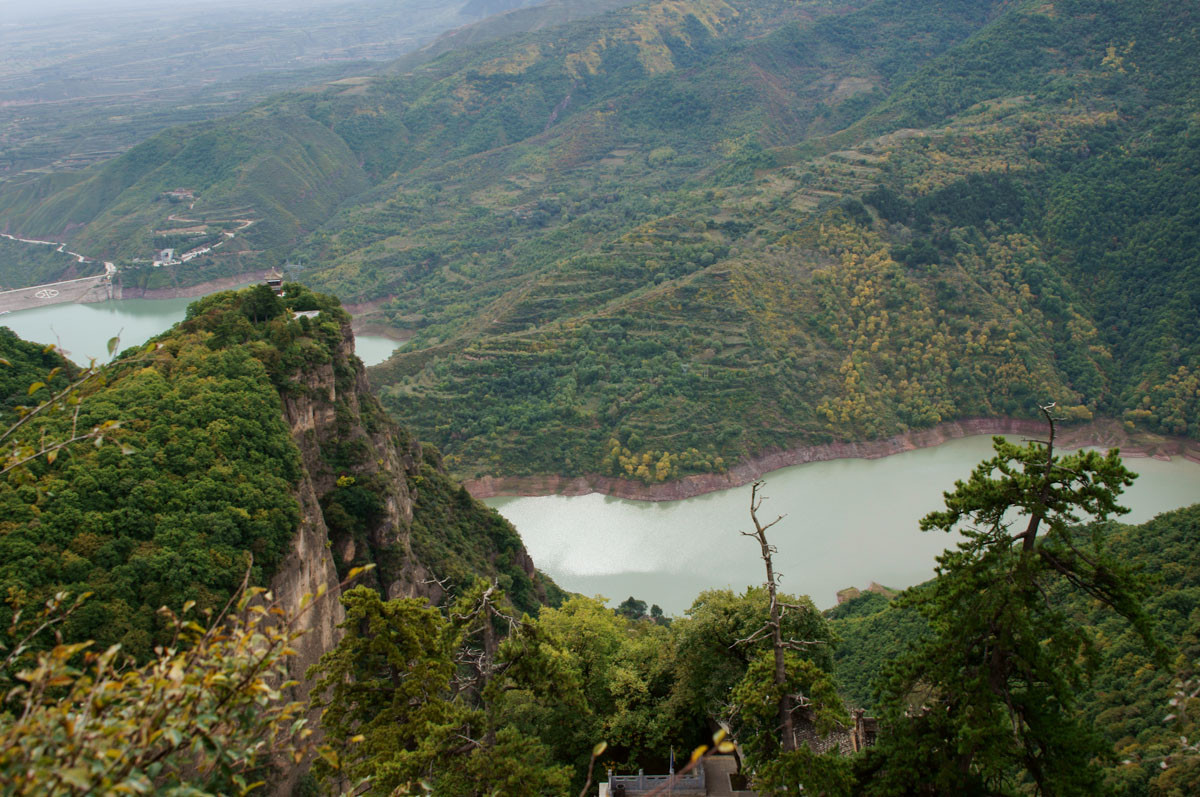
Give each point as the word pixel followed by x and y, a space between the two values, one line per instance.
pixel 27 9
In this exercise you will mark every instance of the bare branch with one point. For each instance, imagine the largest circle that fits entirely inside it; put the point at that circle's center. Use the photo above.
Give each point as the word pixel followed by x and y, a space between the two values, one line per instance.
pixel 757 635
pixel 773 623
pixel 49 449
pixel 441 582
pixel 799 644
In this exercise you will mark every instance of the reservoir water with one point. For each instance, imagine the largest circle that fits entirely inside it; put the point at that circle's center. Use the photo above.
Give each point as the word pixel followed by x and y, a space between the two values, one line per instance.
pixel 848 522
pixel 374 349
pixel 83 330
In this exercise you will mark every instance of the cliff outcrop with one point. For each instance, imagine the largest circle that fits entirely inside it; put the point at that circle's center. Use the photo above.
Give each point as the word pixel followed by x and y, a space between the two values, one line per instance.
pixel 250 440
pixel 370 493
pixel 245 443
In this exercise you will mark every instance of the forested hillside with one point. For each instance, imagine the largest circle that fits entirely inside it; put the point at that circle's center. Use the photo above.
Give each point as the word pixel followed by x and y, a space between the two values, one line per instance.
pixel 913 269
pixel 681 234
pixel 222 440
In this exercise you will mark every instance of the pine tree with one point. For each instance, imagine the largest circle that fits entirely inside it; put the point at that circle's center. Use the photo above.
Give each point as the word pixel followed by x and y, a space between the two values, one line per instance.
pixel 985 704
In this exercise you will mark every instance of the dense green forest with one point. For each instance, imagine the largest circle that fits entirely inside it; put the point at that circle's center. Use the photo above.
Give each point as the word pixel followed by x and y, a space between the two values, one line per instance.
pixel 198 475
pixel 670 237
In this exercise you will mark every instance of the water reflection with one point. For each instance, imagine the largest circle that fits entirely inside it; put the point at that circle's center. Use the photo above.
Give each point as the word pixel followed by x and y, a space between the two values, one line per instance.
pixel 374 349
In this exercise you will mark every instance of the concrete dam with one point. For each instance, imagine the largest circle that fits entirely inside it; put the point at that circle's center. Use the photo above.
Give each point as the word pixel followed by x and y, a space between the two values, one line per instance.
pixel 99 288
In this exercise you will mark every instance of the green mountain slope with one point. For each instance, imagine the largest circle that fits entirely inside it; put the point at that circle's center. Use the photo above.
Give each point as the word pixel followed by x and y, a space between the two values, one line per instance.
pixel 271 171
pixel 681 234
pixel 24 264
pixel 247 440
pixel 920 275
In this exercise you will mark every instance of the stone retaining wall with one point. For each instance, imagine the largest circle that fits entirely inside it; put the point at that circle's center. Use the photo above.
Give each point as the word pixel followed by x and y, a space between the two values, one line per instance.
pixel 85 289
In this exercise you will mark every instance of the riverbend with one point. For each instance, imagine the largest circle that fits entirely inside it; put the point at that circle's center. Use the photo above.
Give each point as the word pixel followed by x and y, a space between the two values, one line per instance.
pixel 847 522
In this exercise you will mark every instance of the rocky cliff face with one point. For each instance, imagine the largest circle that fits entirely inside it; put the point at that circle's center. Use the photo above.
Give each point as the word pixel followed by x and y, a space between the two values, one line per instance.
pixel 371 493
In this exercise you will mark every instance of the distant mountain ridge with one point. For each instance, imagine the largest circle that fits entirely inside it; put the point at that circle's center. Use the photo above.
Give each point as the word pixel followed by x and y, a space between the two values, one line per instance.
pixel 508 22
pixel 81 85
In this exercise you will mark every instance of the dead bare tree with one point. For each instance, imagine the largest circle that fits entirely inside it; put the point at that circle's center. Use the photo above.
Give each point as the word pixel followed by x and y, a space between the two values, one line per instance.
pixel 774 626
pixel 477 665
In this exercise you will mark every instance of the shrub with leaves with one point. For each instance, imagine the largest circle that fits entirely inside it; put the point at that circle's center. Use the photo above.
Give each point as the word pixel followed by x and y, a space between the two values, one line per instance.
pixel 205 716
pixel 416 702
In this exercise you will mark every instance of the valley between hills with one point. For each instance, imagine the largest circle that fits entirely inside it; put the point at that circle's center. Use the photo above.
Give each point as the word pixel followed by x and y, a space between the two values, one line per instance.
pixel 650 249
pixel 673 238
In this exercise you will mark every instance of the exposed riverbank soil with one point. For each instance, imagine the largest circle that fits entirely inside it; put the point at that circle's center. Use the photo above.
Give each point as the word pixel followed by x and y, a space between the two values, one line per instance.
pixel 382 330
pixel 369 321
pixel 189 291
pixel 82 290
pixel 365 308
pixel 1105 433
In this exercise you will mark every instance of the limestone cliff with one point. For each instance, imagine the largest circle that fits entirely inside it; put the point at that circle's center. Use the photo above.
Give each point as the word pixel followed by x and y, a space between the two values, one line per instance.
pixel 370 493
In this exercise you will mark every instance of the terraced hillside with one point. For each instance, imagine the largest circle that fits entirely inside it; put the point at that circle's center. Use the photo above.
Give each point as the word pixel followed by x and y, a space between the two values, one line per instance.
pixel 707 299
pixel 680 234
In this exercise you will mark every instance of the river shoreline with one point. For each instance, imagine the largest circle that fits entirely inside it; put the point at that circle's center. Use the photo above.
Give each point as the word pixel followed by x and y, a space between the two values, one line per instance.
pixel 1104 433
pixel 379 330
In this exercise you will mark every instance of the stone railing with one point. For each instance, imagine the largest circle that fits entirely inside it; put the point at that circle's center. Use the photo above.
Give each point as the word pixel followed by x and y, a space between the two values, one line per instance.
pixel 691 783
